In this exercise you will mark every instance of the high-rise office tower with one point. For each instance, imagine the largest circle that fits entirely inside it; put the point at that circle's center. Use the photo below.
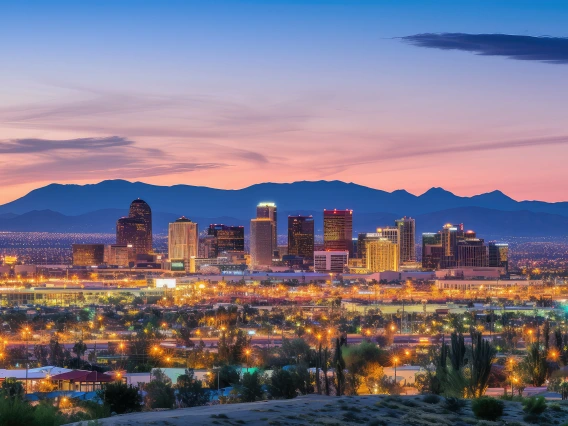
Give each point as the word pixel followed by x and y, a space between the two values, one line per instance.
pixel 227 238
pixel 449 235
pixel 301 237
pixel 407 229
pixel 381 255
pixel 431 250
pixel 132 232
pixel 267 210
pixel 261 241
pixel 140 209
pixel 338 230
pixel 499 255
pixel 207 247
pixel 88 254
pixel 391 233
pixel 183 243
pixel 472 252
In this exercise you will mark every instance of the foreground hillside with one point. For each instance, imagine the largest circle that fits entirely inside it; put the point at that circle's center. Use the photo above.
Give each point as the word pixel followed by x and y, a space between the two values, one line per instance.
pixel 322 410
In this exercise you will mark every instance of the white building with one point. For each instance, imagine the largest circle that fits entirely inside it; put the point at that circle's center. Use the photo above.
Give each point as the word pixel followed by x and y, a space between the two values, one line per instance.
pixel 183 242
pixel 330 261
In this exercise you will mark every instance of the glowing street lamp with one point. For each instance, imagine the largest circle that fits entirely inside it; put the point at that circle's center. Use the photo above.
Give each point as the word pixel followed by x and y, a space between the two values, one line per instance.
pixel 247 352
pixel 395 361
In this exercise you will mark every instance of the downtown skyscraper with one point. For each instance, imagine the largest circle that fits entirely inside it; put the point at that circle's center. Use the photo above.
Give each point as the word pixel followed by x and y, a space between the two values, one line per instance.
pixel 407 236
pixel 301 237
pixel 338 230
pixel 183 242
pixel 268 210
pixel 135 231
pixel 263 234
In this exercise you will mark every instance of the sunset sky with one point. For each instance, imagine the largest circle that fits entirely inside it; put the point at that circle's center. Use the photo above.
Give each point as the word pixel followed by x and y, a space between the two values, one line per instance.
pixel 466 95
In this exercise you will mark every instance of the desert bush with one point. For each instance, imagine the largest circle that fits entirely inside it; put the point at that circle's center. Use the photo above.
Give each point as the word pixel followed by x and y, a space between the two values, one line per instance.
pixel 454 404
pixel 487 408
pixel 431 399
pixel 534 405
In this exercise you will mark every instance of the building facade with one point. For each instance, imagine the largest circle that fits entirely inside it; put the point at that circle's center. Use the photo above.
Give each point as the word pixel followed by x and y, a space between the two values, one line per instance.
pixel 331 261
pixel 268 210
pixel 499 255
pixel 301 237
pixel 407 239
pixel 261 241
pixel 338 230
pixel 183 242
pixel 132 232
pixel 381 255
pixel 88 254
pixel 227 238
pixel 141 210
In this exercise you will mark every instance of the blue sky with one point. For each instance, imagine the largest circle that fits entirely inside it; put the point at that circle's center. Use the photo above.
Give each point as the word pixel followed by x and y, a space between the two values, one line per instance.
pixel 230 93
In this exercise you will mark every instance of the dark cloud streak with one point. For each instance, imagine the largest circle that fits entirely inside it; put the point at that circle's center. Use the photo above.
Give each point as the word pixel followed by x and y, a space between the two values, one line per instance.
pixel 553 50
pixel 30 146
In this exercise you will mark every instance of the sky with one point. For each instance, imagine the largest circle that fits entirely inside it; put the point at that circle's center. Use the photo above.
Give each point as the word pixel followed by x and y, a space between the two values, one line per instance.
pixel 465 95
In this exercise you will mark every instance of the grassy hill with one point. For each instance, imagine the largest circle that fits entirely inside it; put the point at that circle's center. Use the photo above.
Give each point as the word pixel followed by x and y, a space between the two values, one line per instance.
pixel 373 410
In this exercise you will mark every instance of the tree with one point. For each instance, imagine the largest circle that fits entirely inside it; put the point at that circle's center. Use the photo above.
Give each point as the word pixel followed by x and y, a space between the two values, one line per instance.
pixel 250 388
pixel 190 392
pixel 159 392
pixel 482 355
pixel 282 384
pixel 534 365
pixel 79 349
pixel 302 378
pixel 11 388
pixel 361 361
pixel 120 397
pixel 325 369
pixel 57 353
pixel 294 349
pixel 41 353
pixel 227 376
pixel 231 347
pixel 339 364
pixel 15 412
pixel 463 377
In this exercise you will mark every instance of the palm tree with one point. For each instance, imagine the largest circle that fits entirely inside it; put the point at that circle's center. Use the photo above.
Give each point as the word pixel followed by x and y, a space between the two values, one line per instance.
pixel 79 349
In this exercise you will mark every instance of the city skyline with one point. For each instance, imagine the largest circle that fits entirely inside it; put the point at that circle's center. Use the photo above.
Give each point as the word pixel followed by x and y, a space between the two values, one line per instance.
pixel 351 211
pixel 190 92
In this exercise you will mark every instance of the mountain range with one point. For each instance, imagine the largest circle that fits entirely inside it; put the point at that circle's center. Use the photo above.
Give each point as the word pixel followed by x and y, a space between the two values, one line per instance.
pixel 95 207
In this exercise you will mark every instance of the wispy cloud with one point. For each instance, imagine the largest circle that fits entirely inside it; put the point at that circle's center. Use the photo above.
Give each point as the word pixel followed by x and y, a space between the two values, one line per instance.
pixel 552 50
pixel 29 146
pixel 88 158
pixel 404 151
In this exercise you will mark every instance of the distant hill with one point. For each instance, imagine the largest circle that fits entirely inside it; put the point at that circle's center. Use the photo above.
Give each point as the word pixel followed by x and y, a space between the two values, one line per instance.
pixel 95 208
pixel 210 202
pixel 487 223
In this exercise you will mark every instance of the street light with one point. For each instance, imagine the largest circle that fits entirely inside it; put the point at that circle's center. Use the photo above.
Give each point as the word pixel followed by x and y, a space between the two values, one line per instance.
pixel 395 360
pixel 26 334
pixel 247 352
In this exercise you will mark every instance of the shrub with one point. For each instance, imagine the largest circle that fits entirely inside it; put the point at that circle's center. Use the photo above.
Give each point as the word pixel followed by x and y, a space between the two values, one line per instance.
pixel 15 412
pixel 120 397
pixel 454 404
pixel 555 407
pixel 534 405
pixel 487 408
pixel 431 399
